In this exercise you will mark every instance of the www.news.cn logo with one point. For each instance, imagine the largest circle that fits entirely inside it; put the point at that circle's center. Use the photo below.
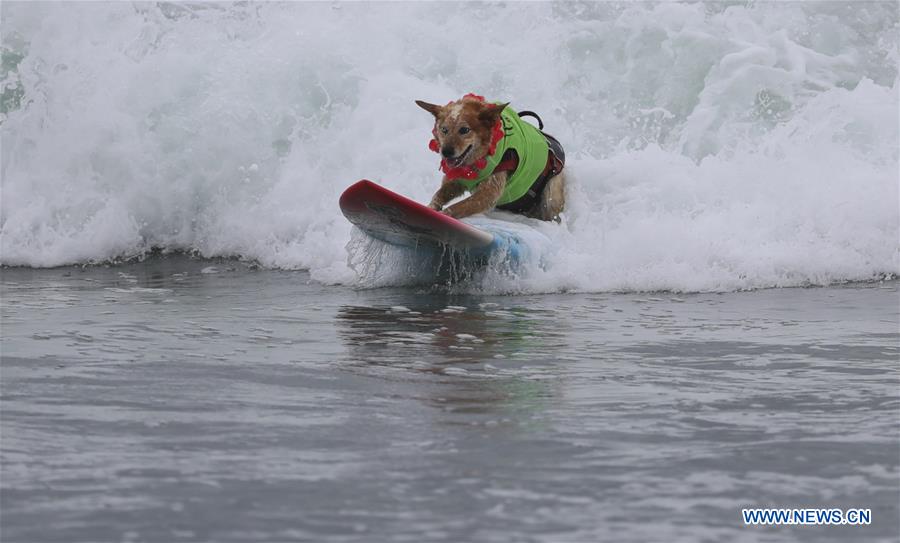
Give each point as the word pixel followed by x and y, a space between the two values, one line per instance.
pixel 811 517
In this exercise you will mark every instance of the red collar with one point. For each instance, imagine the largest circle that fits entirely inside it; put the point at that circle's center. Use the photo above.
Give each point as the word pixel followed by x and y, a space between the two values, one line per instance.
pixel 468 172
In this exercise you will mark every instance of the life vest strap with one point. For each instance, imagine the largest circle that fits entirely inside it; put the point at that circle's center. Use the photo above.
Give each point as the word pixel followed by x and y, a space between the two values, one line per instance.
pixel 509 162
pixel 556 159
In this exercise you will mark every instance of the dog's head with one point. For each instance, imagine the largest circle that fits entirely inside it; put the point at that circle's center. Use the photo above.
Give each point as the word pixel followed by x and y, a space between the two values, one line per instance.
pixel 463 128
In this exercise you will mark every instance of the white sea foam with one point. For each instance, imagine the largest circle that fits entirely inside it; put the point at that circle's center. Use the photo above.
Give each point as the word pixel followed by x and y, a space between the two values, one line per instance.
pixel 711 146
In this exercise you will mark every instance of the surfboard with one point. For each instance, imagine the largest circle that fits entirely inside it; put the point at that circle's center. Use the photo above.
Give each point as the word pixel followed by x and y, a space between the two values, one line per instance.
pixel 395 219
pixel 450 248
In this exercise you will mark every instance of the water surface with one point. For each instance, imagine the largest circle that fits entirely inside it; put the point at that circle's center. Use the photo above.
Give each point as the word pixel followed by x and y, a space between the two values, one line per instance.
pixel 190 400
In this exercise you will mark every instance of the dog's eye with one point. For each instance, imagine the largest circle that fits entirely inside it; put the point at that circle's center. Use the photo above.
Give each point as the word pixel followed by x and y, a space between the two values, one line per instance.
pixel 444 130
pixel 464 130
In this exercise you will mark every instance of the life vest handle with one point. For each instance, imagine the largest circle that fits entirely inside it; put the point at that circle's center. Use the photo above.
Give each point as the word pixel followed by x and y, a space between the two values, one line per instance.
pixel 532 114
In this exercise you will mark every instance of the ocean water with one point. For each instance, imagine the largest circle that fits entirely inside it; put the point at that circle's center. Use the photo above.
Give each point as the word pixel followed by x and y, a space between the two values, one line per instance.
pixel 713 146
pixel 187 400
pixel 196 346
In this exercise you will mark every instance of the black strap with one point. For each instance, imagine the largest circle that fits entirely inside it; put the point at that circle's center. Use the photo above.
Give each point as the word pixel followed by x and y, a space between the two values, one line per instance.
pixel 532 114
pixel 531 197
pixel 556 148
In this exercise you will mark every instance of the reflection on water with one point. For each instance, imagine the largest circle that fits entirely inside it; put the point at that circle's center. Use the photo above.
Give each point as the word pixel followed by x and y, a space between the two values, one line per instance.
pixel 452 334
pixel 471 347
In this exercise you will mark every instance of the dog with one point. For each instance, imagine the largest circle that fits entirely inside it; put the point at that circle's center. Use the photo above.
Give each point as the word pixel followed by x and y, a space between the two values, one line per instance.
pixel 503 161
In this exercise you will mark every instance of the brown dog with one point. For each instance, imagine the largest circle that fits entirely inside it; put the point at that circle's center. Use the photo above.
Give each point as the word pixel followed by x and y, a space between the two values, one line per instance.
pixel 503 161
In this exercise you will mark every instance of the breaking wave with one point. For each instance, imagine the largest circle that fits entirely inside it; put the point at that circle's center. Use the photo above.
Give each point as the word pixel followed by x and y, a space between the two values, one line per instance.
pixel 711 146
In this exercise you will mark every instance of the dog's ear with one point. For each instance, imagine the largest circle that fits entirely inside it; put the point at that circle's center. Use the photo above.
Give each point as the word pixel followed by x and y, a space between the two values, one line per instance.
pixel 490 113
pixel 430 108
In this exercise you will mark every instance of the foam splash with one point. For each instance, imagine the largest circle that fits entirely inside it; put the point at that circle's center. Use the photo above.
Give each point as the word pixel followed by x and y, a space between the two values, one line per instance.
pixel 519 250
pixel 712 146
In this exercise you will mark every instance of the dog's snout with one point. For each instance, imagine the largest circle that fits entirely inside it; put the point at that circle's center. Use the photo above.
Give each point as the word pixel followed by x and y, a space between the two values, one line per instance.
pixel 448 151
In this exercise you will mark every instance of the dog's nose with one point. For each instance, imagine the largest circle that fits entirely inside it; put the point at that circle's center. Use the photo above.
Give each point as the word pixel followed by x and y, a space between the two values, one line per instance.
pixel 447 151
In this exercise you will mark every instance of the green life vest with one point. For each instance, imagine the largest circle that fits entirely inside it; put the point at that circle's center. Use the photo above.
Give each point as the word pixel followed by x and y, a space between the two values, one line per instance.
pixel 531 147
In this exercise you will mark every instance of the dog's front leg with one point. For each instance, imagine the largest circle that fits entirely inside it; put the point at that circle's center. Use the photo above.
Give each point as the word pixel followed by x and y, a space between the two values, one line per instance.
pixel 449 190
pixel 483 199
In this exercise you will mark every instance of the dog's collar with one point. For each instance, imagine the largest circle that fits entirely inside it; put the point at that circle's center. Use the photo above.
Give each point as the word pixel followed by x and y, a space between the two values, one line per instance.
pixel 468 172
